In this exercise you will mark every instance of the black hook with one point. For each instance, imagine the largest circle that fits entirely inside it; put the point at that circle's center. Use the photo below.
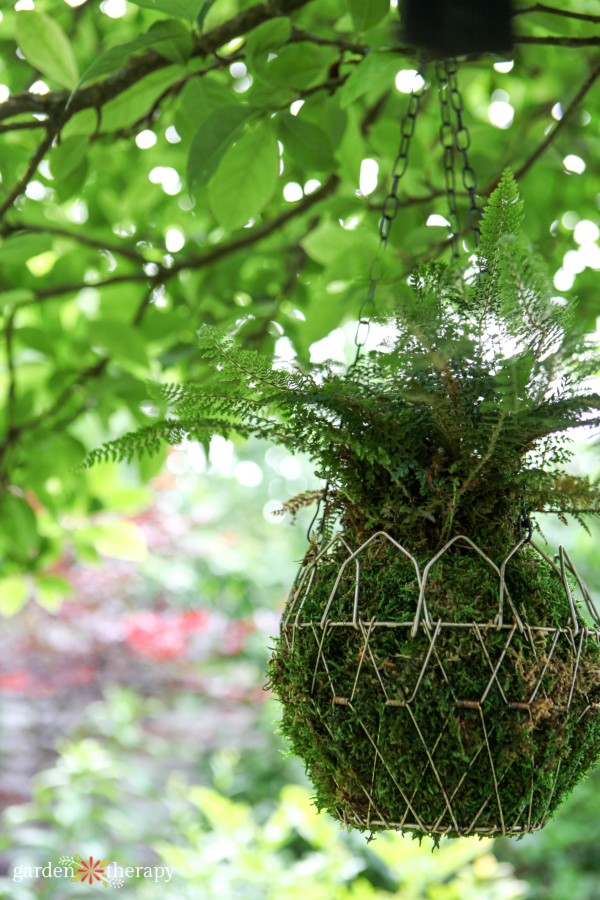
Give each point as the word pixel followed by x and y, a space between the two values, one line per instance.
pixel 525 524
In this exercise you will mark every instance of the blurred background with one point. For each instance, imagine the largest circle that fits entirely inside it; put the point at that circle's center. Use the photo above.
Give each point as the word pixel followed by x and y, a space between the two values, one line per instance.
pixel 135 725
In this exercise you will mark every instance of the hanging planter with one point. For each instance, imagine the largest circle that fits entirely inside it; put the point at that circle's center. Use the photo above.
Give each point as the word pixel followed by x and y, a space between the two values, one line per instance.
pixel 454 696
pixel 436 672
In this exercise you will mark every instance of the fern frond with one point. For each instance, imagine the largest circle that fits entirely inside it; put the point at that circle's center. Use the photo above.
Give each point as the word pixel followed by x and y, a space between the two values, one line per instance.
pixel 465 410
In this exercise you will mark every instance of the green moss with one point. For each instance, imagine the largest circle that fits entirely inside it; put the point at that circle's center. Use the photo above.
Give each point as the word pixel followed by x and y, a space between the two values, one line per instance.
pixel 457 729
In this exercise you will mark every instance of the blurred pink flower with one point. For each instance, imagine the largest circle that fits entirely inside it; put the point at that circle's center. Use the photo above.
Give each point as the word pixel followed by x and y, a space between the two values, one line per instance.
pixel 163 636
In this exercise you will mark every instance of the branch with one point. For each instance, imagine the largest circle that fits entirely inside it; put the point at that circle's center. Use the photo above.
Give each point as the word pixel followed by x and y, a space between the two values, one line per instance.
pixel 22 126
pixel 201 261
pixel 8 229
pixel 555 11
pixel 552 135
pixel 57 406
pixel 11 392
pixel 63 398
pixel 34 162
pixel 558 41
pixel 100 92
pixel 298 36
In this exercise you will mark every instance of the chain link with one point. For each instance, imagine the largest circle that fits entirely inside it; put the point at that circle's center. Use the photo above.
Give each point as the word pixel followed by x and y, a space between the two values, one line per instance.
pixel 456 140
pixel 389 211
pixel 447 141
pixel 462 140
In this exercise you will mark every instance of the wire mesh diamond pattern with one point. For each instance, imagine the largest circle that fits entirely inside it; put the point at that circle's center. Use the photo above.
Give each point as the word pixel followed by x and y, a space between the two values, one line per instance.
pixel 435 724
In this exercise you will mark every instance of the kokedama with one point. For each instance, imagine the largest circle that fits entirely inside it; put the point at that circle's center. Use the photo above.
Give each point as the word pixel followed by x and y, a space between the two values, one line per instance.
pixel 435 671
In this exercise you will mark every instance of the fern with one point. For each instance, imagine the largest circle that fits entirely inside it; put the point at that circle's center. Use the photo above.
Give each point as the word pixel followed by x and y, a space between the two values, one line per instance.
pixel 463 414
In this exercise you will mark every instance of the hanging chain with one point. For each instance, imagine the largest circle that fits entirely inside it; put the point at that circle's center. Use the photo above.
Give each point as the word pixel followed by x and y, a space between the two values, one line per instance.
pixel 389 211
pixel 447 141
pixel 455 139
pixel 463 143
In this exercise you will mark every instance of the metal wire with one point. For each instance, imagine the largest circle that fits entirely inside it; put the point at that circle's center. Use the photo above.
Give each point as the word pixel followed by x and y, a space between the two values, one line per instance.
pixel 563 640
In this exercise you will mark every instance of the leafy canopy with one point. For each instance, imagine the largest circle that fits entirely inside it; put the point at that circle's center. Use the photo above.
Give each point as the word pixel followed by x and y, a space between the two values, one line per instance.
pixel 123 181
pixel 444 429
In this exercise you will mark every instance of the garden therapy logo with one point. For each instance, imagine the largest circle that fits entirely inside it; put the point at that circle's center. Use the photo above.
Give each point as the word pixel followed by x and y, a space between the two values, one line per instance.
pixel 92 871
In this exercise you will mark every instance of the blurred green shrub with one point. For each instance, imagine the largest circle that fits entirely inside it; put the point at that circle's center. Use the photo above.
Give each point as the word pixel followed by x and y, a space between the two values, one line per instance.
pixel 225 851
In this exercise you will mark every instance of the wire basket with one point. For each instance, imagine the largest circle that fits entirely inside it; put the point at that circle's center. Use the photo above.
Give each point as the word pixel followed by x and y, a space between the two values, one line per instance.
pixel 439 722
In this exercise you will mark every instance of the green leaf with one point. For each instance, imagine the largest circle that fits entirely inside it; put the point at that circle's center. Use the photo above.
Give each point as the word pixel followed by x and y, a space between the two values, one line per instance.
pixel 46 47
pixel 323 313
pixel 13 594
pixel 299 65
pixel 306 143
pixel 206 8
pixel 129 106
pixel 19 526
pixel 329 241
pixel 51 590
pixel 376 69
pixel 161 35
pixel 120 340
pixel 266 38
pixel 73 181
pixel 213 139
pixel 68 155
pixel 367 13
pixel 199 98
pixel 121 540
pixel 183 9
pixel 177 48
pixel 246 179
pixel 19 295
pixel 21 247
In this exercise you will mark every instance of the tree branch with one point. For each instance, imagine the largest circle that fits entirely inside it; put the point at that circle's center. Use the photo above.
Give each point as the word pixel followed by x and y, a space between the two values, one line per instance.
pixel 80 237
pixel 202 260
pixel 34 162
pixel 11 391
pixel 558 41
pixel 552 135
pixel 555 11
pixel 100 92
pixel 23 126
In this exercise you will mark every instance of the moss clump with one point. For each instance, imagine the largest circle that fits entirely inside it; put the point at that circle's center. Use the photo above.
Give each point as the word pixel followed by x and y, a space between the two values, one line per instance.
pixel 457 729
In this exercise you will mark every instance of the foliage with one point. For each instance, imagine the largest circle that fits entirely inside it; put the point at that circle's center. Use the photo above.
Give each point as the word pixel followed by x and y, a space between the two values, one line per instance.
pixel 559 861
pixel 110 260
pixel 222 846
pixel 142 739
pixel 295 851
pixel 441 432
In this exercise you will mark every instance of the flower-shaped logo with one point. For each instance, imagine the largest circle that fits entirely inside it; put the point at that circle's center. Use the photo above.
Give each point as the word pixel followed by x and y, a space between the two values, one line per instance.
pixel 90 870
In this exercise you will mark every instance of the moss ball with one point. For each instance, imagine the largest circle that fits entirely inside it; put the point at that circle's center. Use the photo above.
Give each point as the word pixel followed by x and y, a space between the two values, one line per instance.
pixel 471 725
